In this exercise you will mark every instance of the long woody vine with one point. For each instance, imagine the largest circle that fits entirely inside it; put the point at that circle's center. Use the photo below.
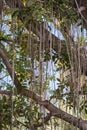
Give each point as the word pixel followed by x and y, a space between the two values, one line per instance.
pixel 26 111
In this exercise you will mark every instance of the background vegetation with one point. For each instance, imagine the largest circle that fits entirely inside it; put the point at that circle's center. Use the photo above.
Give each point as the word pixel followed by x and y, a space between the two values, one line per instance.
pixel 43 76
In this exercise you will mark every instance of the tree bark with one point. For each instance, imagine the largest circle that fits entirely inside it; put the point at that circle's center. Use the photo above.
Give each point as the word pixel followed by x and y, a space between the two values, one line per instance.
pixel 80 123
pixel 81 6
pixel 56 43
pixel 36 26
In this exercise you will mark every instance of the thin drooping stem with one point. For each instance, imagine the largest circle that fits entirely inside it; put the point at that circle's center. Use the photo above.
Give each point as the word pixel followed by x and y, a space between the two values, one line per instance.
pixel 82 124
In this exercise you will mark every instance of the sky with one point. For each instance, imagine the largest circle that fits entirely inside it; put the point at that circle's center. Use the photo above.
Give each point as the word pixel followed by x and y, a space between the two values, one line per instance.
pixel 75 32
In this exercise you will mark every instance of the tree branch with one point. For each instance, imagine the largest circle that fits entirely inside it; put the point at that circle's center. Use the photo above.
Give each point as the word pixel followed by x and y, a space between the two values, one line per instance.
pixel 82 124
pixel 46 119
pixel 10 69
pixel 35 126
pixel 9 93
pixel 36 26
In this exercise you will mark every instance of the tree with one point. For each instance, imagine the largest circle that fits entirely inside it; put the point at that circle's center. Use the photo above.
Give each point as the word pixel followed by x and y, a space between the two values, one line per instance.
pixel 21 46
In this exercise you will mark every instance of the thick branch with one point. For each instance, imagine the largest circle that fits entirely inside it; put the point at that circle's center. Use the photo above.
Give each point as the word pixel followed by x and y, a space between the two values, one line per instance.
pixel 82 124
pixel 5 92
pixel 36 26
pixel 36 29
pixel 10 69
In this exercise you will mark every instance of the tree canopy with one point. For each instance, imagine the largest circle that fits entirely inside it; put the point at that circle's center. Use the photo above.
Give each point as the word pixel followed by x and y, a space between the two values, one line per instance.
pixel 43 64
